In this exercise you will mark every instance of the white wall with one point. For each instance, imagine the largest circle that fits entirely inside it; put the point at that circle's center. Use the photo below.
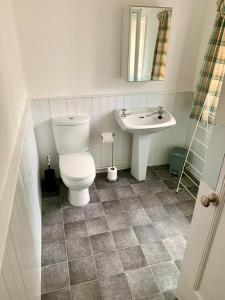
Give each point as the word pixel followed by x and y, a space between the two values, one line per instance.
pixel 100 109
pixel 12 89
pixel 20 272
pixel 73 47
pixel 13 109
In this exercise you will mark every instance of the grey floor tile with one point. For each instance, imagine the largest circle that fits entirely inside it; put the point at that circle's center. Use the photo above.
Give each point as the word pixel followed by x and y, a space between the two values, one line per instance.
pixel 52 218
pixel 52 233
pixel 158 186
pixel 149 200
pixel 53 253
pixel 182 224
pixel 142 283
pixel 112 207
pixel 131 203
pixel 117 221
pixel 93 210
pixel 172 183
pixel 50 204
pixel 155 252
pixel 146 233
pixel 183 195
pixel 108 264
pixel 168 211
pixel 61 294
pixel 102 243
pixel 176 246
pixel 141 188
pixel 86 291
pixel 178 263
pixel 166 275
pixel 82 270
pixel 164 174
pixel 151 175
pixel 73 214
pixel 115 287
pixel 166 228
pixel 157 213
pixel 54 277
pixel 186 207
pixel 75 230
pixel 101 182
pixel 170 295
pixel 166 197
pixel 121 181
pixel 94 197
pixel 125 238
pixel 124 192
pixel 127 174
pixel 138 217
pixel 173 210
pixel 132 258
pixel 107 194
pixel 97 225
pixel 93 187
pixel 78 247
pixel 187 182
pixel 66 203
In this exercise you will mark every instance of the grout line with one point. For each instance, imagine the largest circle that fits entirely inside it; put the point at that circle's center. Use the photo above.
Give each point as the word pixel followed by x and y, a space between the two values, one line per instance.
pixel 93 256
pixel 67 262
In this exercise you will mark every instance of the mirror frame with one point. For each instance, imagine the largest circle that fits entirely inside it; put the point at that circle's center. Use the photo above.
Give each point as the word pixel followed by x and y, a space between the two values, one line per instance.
pixel 125 61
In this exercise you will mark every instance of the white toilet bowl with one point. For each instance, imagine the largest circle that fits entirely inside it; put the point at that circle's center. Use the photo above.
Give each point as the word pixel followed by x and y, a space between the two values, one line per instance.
pixel 78 173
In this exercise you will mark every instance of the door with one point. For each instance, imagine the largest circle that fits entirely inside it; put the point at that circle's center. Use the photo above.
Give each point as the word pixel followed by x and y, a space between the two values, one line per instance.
pixel 203 271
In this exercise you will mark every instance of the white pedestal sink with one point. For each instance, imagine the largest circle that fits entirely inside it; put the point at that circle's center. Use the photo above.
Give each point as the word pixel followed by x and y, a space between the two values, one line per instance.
pixel 142 122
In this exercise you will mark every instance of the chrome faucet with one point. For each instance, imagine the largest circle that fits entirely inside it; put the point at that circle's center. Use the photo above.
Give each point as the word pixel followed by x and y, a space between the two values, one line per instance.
pixel 123 113
pixel 159 112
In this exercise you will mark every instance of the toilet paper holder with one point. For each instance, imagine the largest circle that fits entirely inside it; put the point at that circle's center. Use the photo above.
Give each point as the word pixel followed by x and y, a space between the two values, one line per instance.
pixel 108 137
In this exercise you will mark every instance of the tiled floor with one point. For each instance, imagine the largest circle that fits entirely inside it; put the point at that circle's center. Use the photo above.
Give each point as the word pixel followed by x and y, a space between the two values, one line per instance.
pixel 127 243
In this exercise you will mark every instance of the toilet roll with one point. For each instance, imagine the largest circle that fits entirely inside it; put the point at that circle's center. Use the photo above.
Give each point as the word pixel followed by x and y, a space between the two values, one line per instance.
pixel 107 137
pixel 112 174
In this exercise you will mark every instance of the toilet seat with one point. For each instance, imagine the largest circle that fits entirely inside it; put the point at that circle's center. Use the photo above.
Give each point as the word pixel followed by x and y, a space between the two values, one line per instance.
pixel 77 166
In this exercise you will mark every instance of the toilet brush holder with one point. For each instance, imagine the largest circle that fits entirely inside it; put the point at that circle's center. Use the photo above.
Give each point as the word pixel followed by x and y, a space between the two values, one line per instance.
pixel 112 174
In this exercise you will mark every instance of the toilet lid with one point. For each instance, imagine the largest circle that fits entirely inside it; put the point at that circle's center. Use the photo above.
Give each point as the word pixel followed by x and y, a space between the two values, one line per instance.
pixel 77 166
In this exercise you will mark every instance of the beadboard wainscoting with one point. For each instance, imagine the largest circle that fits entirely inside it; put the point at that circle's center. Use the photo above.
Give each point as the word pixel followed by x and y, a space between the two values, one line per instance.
pixel 100 109
pixel 20 275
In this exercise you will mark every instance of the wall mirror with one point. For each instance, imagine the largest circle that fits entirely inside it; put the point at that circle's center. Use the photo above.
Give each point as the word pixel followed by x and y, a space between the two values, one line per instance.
pixel 148 42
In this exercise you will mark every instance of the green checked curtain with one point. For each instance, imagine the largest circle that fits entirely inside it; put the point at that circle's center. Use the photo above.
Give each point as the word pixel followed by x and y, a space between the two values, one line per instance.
pixel 161 47
pixel 212 72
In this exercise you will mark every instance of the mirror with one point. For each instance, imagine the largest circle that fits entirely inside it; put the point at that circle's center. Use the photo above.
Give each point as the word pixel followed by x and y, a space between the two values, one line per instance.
pixel 148 43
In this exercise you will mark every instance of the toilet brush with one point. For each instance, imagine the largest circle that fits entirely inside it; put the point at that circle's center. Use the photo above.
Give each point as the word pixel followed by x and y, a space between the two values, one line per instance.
pixel 50 182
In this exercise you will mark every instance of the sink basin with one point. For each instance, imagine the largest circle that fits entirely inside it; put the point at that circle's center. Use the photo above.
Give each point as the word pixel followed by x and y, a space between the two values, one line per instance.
pixel 142 122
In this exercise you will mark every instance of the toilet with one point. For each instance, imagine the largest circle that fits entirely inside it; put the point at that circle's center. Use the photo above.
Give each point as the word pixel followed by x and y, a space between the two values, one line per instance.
pixel 76 163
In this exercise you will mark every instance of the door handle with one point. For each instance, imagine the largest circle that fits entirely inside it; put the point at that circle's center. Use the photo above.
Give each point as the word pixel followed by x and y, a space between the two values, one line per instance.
pixel 212 198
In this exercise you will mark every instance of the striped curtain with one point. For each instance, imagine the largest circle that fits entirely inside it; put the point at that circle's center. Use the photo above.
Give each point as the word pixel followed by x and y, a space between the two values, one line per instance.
pixel 212 73
pixel 161 46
